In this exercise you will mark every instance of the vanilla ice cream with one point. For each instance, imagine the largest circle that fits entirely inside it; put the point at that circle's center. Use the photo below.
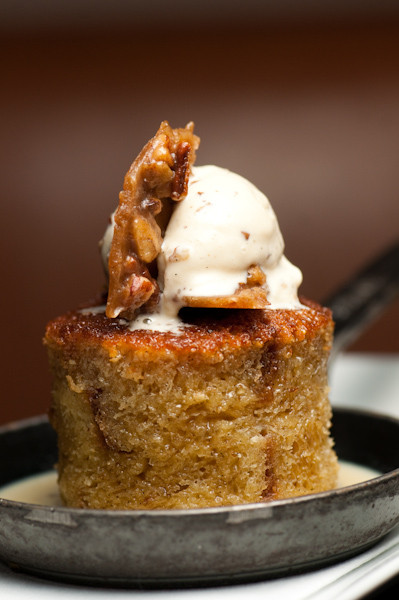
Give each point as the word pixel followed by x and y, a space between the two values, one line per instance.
pixel 221 228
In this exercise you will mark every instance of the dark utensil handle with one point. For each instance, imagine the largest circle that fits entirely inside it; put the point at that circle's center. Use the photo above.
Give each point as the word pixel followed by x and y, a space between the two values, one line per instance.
pixel 364 298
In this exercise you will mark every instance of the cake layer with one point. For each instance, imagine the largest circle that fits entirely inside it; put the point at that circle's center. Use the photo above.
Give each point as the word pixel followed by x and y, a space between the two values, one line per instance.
pixel 234 410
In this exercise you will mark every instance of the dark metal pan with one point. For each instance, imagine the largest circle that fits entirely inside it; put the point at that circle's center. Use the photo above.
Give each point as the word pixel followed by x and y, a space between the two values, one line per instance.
pixel 215 545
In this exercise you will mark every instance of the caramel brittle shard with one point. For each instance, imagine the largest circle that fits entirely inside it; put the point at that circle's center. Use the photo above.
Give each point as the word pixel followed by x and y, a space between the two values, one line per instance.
pixel 160 171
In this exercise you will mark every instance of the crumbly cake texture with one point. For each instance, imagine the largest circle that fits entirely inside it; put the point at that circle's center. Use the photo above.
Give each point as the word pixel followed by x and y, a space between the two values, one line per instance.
pixel 233 411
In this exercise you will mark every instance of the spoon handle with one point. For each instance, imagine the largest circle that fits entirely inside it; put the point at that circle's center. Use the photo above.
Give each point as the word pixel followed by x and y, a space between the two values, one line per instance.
pixel 363 299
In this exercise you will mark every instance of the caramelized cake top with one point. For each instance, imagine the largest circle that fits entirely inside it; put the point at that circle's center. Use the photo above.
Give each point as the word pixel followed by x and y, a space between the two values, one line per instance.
pixel 205 331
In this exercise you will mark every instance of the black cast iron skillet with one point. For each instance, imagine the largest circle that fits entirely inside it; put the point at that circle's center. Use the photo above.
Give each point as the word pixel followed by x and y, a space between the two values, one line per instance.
pixel 215 545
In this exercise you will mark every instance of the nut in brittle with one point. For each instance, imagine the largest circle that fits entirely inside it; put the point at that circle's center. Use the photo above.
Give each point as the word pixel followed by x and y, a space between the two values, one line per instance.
pixel 160 171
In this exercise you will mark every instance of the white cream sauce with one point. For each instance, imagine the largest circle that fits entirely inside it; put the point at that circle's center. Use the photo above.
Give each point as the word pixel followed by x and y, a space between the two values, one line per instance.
pixel 351 473
pixel 37 489
pixel 93 310
pixel 43 489
pixel 159 321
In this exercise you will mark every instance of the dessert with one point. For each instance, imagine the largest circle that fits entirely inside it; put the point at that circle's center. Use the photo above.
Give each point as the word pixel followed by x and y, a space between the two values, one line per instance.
pixel 201 380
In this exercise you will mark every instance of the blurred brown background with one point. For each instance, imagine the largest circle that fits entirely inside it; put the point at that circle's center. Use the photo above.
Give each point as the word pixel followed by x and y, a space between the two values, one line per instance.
pixel 304 104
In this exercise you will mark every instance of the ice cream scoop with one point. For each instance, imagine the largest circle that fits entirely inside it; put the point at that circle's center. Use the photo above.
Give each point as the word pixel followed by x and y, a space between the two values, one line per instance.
pixel 222 229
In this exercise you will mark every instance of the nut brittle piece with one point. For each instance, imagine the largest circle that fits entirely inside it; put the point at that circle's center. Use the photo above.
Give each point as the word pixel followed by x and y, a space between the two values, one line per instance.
pixel 160 171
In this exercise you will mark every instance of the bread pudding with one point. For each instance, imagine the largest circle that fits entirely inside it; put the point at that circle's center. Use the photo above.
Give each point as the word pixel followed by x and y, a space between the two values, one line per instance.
pixel 194 395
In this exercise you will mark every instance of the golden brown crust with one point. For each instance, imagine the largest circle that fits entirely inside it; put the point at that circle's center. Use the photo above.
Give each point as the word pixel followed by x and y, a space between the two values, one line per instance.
pixel 208 331
pixel 160 171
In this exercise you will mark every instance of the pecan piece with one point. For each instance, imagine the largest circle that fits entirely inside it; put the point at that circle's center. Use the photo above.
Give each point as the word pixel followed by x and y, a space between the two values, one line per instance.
pixel 160 171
